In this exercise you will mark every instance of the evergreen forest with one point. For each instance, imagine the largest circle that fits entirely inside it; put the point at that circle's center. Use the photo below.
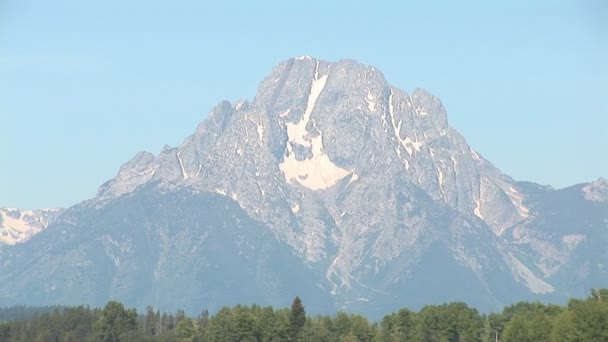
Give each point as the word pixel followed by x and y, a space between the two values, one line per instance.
pixel 581 320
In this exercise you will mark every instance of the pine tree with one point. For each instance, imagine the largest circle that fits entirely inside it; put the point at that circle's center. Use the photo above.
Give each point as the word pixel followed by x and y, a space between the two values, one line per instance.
pixel 297 319
pixel 203 321
pixel 150 322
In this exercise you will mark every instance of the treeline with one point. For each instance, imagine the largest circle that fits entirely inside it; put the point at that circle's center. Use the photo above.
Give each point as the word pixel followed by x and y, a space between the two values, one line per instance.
pixel 24 312
pixel 581 321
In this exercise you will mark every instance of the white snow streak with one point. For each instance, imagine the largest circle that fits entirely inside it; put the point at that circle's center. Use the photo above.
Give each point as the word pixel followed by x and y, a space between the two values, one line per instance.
pixel 391 111
pixel 411 104
pixel 239 105
pixel 475 155
pixel 440 179
pixel 295 208
pixel 262 192
pixel 318 172
pixel 371 101
pixel 317 87
pixel 518 201
pixel 477 210
pixel 181 164
pixel 407 143
pixel 454 161
pixel 260 130
pixel 384 123
pixel 478 200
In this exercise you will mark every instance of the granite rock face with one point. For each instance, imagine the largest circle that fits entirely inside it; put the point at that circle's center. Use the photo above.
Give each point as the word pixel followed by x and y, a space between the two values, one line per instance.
pixel 370 189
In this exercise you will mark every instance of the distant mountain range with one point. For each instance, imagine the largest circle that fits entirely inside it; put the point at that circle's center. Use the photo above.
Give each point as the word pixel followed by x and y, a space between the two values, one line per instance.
pixel 330 184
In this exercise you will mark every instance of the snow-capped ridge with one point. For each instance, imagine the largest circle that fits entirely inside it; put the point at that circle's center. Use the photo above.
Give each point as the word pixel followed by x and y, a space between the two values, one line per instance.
pixel 17 226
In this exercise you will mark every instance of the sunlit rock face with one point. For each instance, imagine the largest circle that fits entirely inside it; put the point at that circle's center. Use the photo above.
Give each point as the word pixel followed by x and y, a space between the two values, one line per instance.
pixel 379 201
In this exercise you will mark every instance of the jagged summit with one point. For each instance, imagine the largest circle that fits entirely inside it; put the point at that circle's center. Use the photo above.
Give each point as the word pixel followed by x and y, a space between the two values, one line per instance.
pixel 359 185
pixel 317 117
pixel 317 129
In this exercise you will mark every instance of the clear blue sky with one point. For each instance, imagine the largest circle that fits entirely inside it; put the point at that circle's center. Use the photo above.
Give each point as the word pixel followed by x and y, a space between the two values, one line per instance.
pixel 84 85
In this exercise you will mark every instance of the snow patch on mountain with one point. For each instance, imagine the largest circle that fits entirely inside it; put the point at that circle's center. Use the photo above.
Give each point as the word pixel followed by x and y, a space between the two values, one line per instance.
pixel 260 131
pixel 408 144
pixel 17 226
pixel 181 165
pixel 518 201
pixel 318 171
pixel 371 101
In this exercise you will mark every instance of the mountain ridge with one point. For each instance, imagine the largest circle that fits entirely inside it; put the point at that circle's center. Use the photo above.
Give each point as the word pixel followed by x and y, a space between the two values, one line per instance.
pixel 369 187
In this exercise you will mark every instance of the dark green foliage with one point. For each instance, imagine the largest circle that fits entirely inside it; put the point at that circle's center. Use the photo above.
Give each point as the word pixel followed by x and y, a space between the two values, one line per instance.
pixel 449 322
pixel 535 317
pixel 151 322
pixel 563 328
pixel 60 324
pixel 590 319
pixel 297 319
pixel 185 330
pixel 116 323
pixel 581 321
pixel 400 326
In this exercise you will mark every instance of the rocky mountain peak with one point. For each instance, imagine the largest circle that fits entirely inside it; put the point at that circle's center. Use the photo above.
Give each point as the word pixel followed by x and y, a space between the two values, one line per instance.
pixel 331 171
pixel 315 143
pixel 315 124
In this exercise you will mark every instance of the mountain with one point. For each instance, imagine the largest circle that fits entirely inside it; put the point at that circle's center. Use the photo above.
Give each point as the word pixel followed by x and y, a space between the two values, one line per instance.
pixel 16 226
pixel 331 184
pixel 162 248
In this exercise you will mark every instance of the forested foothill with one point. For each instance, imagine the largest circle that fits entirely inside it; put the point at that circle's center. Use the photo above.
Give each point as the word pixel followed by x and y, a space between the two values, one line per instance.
pixel 581 320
